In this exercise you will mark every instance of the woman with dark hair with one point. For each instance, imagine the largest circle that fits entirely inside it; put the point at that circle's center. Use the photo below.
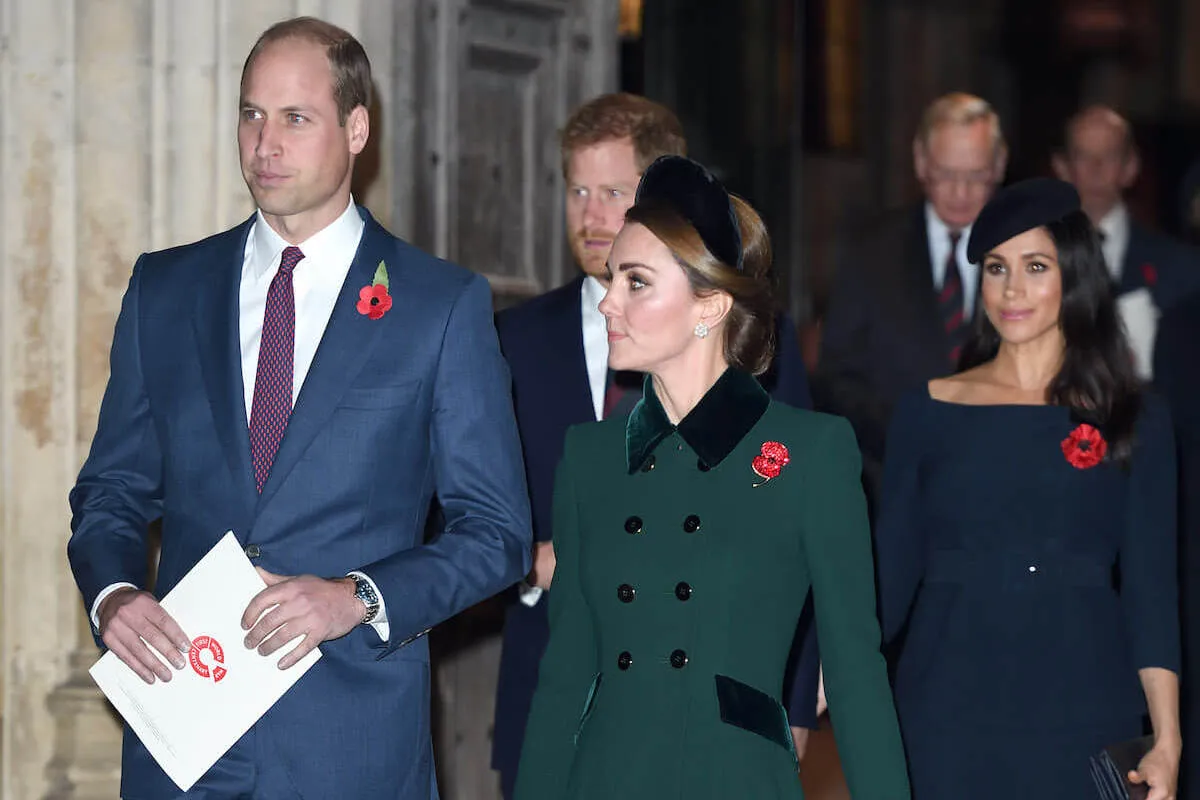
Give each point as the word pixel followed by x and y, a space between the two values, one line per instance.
pixel 688 535
pixel 1026 540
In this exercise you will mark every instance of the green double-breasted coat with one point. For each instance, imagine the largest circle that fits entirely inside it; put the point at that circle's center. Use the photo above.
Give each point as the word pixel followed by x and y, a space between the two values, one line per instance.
pixel 685 555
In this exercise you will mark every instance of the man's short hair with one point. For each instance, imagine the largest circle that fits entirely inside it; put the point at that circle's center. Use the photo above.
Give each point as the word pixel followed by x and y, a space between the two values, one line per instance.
pixel 960 108
pixel 348 60
pixel 654 130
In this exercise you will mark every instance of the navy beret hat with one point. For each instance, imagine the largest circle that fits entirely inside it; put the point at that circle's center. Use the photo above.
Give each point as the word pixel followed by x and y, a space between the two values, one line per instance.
pixel 687 188
pixel 1018 208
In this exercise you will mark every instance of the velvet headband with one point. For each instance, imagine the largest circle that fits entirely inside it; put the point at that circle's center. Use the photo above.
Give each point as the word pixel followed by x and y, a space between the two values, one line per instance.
pixel 685 187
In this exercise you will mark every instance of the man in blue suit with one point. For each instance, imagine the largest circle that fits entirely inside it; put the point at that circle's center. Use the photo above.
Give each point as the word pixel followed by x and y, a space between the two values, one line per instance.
pixel 557 349
pixel 309 382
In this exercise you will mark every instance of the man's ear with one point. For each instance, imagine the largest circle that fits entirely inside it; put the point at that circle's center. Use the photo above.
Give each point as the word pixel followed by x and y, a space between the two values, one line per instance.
pixel 358 129
pixel 1058 162
pixel 920 160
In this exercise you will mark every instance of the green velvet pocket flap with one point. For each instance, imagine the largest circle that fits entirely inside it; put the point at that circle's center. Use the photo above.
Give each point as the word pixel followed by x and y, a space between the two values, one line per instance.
pixel 752 710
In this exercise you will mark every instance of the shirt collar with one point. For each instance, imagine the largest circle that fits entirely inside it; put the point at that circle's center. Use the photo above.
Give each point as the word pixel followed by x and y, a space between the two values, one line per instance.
pixel 335 239
pixel 939 231
pixel 593 292
pixel 718 423
pixel 1115 223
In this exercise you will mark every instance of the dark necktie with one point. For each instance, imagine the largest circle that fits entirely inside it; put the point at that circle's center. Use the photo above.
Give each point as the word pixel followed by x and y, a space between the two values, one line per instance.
pixel 950 301
pixel 272 404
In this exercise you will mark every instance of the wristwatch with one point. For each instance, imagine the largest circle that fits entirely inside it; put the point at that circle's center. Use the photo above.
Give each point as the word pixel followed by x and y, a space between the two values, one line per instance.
pixel 365 592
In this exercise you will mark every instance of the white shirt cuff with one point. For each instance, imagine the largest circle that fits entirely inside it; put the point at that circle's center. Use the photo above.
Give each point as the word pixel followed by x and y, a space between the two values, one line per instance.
pixel 95 615
pixel 529 595
pixel 380 623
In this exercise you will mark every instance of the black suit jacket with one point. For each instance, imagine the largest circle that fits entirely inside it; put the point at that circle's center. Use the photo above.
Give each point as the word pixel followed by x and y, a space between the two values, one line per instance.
pixel 882 334
pixel 543 342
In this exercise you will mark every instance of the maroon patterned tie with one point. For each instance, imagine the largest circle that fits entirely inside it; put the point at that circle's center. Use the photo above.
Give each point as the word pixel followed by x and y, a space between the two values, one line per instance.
pixel 950 302
pixel 272 403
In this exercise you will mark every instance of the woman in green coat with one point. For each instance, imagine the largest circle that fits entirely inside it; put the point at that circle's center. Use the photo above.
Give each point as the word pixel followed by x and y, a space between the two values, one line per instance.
pixel 688 536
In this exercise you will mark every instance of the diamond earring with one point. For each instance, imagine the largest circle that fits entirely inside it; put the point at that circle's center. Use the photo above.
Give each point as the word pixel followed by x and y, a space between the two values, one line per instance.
pixel 701 330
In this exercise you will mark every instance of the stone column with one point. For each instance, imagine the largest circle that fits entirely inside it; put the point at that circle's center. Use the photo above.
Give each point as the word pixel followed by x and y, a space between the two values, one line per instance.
pixel 40 303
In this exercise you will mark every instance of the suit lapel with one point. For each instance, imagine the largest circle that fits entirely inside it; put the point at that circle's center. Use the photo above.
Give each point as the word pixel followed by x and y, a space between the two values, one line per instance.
pixel 218 341
pixel 1131 265
pixel 923 297
pixel 347 343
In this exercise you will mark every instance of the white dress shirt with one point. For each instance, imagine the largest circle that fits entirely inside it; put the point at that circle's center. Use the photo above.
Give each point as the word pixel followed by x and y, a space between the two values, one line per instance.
pixel 595 341
pixel 316 282
pixel 1115 240
pixel 1139 315
pixel 938 234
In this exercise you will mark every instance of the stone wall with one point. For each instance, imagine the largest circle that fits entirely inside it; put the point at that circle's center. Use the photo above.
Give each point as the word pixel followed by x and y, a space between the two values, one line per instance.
pixel 117 135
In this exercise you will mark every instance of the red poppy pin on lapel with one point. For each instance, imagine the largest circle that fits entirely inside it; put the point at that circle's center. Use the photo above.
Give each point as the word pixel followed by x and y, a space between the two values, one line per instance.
pixel 1149 274
pixel 770 462
pixel 373 299
pixel 1085 447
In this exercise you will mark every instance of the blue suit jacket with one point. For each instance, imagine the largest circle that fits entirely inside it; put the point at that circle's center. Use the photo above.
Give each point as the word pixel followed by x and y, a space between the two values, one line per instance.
pixel 543 342
pixel 393 412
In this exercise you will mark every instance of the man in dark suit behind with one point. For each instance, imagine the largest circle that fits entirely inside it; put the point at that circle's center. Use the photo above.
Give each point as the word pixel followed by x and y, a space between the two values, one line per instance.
pixel 1150 272
pixel 557 349
pixel 904 296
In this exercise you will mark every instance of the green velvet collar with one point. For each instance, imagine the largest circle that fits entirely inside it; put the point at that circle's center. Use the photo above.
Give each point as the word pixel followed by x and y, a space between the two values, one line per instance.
pixel 722 418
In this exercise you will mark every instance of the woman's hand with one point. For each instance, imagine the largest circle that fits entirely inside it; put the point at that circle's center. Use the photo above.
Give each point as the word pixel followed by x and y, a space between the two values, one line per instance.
pixel 1160 769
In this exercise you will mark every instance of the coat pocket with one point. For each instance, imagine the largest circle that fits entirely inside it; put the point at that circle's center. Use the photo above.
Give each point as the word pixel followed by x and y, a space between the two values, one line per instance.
pixel 588 705
pixel 371 398
pixel 755 711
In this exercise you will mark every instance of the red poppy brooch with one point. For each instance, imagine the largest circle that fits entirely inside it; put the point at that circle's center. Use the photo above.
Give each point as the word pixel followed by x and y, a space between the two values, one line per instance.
pixel 373 299
pixel 770 461
pixel 1085 447
pixel 1149 274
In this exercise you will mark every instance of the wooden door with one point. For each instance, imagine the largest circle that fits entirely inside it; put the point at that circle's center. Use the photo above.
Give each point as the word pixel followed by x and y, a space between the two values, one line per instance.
pixel 493 82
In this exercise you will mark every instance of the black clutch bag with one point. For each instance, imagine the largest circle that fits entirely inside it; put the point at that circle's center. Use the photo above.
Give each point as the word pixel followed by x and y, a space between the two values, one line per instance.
pixel 1111 766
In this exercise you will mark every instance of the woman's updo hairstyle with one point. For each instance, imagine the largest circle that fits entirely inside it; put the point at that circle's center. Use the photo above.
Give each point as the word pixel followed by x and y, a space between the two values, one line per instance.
pixel 722 245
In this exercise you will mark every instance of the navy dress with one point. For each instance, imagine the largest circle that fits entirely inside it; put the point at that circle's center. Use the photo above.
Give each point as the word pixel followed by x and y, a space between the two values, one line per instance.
pixel 1026 593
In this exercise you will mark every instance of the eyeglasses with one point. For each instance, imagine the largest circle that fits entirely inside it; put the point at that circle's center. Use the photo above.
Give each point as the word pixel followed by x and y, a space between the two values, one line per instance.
pixel 972 179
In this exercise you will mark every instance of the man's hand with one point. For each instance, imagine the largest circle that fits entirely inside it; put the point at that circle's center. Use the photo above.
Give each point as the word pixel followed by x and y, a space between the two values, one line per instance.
pixel 315 608
pixel 129 618
pixel 543 565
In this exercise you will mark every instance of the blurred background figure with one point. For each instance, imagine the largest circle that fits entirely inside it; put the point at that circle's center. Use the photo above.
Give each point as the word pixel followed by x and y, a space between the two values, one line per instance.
pixel 903 301
pixel 1150 271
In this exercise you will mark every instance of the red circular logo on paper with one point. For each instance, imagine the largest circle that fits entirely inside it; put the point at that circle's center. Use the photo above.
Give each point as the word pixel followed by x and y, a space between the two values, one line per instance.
pixel 215 670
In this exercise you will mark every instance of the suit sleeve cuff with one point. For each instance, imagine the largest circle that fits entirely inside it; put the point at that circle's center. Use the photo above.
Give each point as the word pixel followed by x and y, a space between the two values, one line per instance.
pixel 380 623
pixel 104 593
pixel 529 595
